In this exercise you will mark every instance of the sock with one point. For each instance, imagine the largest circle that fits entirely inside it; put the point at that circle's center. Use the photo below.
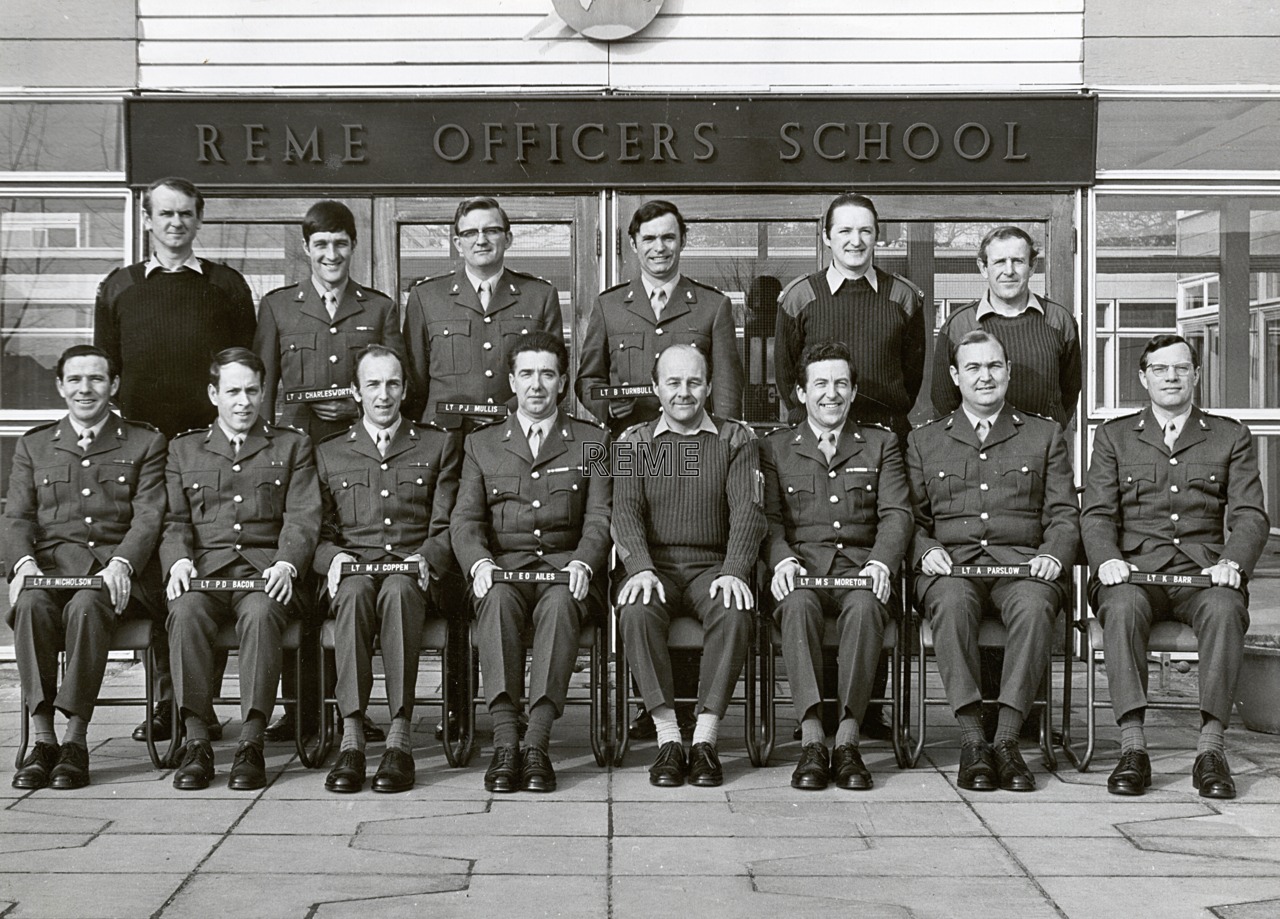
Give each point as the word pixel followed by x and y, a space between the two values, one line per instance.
pixel 1008 724
pixel 196 727
pixel 77 731
pixel 1132 736
pixel 668 727
pixel 811 730
pixel 1212 736
pixel 254 728
pixel 707 729
pixel 970 723
pixel 847 732
pixel 398 736
pixel 352 732
pixel 42 725
pixel 505 732
pixel 541 717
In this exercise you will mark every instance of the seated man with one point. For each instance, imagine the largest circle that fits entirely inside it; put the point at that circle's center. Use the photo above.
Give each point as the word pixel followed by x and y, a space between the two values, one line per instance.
pixel 687 522
pixel 835 494
pixel 527 502
pixel 388 486
pixel 1162 487
pixel 86 498
pixel 991 486
pixel 243 503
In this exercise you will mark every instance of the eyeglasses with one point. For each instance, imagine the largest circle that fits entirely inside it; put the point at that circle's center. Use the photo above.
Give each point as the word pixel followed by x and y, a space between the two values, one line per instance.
pixel 1158 370
pixel 490 233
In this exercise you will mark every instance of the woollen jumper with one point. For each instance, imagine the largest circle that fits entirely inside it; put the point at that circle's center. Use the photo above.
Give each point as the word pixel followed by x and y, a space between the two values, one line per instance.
pixel 661 517
pixel 163 331
pixel 883 328
pixel 1043 349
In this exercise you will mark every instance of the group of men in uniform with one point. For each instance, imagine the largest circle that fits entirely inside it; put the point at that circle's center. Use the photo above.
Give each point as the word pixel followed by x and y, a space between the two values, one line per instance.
pixel 410 462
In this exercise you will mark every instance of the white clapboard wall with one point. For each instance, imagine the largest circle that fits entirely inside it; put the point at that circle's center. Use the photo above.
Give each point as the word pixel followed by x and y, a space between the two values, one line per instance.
pixel 852 46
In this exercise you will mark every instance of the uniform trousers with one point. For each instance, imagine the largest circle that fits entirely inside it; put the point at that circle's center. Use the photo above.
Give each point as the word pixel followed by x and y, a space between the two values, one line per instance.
pixel 1218 615
pixel 1027 606
pixel 724 646
pixel 393 612
pixel 194 619
pixel 79 621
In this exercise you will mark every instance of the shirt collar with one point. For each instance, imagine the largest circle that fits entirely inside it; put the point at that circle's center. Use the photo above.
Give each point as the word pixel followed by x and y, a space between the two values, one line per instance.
pixel 819 434
pixel 96 429
pixel 669 287
pixel 707 425
pixel 153 264
pixel 974 419
pixel 986 309
pixel 374 429
pixel 836 277
pixel 229 435
pixel 527 424
pixel 1164 417
pixel 475 281
pixel 340 290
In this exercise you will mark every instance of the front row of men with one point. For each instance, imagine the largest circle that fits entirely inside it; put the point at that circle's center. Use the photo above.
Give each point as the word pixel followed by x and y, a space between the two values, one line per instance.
pixel 691 499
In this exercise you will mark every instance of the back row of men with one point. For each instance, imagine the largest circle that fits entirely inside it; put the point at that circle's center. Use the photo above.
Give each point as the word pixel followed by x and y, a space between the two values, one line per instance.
pixel 987 484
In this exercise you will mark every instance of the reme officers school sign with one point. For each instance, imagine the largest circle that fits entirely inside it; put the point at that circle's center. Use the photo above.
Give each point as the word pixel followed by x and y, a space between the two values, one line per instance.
pixel 611 141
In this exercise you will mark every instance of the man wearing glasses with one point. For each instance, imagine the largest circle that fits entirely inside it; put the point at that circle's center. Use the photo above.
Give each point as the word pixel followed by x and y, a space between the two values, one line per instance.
pixel 1163 487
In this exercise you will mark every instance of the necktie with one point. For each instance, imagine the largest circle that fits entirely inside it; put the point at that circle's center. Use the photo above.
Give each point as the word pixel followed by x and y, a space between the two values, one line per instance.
pixel 384 441
pixel 827 444
pixel 659 300
pixel 331 302
pixel 982 427
pixel 86 439
pixel 1170 434
pixel 235 444
pixel 535 439
pixel 484 295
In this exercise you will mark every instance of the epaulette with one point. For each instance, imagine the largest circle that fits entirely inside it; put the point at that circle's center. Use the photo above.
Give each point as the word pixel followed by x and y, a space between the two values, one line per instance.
pixel 436 277
pixel 525 274
pixel 899 281
pixel 637 429
pixel 141 424
pixel 1217 417
pixel 609 290
pixel 192 431
pixel 792 283
pixel 278 289
pixel 334 436
pixel 488 422
pixel 288 427
pixel 371 291
pixel 731 429
pixel 877 425
pixel 41 427
pixel 590 422
pixel 1123 417
pixel 428 426
pixel 704 286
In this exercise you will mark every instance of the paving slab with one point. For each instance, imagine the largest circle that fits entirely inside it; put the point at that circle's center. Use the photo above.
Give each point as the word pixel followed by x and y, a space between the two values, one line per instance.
pixel 1226 897
pixel 292 896
pixel 1084 818
pixel 1111 857
pixel 108 854
pixel 795 818
pixel 344 815
pixel 86 894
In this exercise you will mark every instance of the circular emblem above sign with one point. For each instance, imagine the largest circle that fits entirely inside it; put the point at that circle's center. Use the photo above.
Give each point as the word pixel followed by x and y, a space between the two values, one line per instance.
pixel 607 20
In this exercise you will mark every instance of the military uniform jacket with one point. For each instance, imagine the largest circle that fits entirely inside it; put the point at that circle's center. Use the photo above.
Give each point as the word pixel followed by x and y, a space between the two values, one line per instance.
pixel 380 508
pixel 457 351
pixel 1153 507
pixel 262 506
pixel 518 511
pixel 1003 502
pixel 623 339
pixel 303 348
pixel 74 510
pixel 859 507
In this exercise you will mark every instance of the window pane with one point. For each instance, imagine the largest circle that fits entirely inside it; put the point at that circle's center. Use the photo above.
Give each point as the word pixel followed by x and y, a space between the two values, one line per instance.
pixel 1136 315
pixel 61 137
pixel 1187 133
pixel 269 255
pixel 53 253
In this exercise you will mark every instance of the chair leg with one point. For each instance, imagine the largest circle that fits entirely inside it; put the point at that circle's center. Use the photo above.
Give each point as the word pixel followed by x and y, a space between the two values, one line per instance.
pixel 150 703
pixel 599 700
pixel 768 692
pixel 621 700
pixel 1046 720
pixel 897 710
pixel 921 713
pixel 312 759
pixel 24 737
pixel 750 713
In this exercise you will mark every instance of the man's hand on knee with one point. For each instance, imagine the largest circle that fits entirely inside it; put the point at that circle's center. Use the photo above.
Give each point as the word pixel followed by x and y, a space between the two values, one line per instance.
pixel 28 569
pixel 280 582
pixel 180 576
pixel 640 587
pixel 735 590
pixel 1114 571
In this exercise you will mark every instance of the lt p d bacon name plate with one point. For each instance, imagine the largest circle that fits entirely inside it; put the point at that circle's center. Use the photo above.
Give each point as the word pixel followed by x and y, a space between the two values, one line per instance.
pixel 213 585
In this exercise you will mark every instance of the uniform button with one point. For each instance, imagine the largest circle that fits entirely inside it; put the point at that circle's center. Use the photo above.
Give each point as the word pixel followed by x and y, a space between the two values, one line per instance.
pixel 835 525
pixel 386 521
pixel 1177 541
pixel 573 487
pixel 831 475
pixel 487 346
pixel 834 499
pixel 984 516
pixel 384 467
pixel 1173 516
pixel 332 330
pixel 417 481
pixel 982 456
pixel 537 552
pixel 237 499
pixel 524 331
pixel 236 468
pixel 537 504
pixel 941 474
pixel 839 545
pixel 535 474
pixel 1213 478
pixel 446 332
pixel 489 400
pixel 120 478
pixel 236 527
pixel 488 373
pixel 982 542
pixel 1173 488
pixel 868 488
pixel 333 358
pixel 790 489
pixel 385 493
pixel 88 520
pixel 293 347
pixel 84 462
pixel 537 532
pixel 91 544
pixel 237 547
pixel 1173 461
pixel 658 332
pixel 495 491
pixel 85 492
pixel 488 319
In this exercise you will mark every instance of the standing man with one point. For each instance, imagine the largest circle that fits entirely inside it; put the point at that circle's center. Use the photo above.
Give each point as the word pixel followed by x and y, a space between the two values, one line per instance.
pixel 1039 335
pixel 528 502
pixel 879 315
pixel 161 321
pixel 243 503
pixel 835 494
pixel 1163 487
pixel 388 487
pixel 991 486
pixel 687 524
pixel 632 323
pixel 86 498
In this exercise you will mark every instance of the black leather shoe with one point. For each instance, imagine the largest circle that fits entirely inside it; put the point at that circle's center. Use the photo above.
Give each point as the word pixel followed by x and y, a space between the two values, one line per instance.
pixel 161 723
pixel 978 767
pixel 372 733
pixel 395 772
pixel 281 729
pixel 503 774
pixel 642 727
pixel 848 769
pixel 1012 768
pixel 704 766
pixel 195 766
pixel 248 769
pixel 813 770
pixel 670 768
pixel 536 773
pixel 1210 774
pixel 72 768
pixel 35 769
pixel 347 774
pixel 1132 774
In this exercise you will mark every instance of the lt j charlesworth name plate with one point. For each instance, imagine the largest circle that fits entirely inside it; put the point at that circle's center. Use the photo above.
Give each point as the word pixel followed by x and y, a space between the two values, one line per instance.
pixel 53 583
pixel 319 395
pixel 1171 580
pixel 991 571
pixel 213 585
pixel 379 568
pixel 620 392
pixel 530 577
pixel 487 409
pixel 805 580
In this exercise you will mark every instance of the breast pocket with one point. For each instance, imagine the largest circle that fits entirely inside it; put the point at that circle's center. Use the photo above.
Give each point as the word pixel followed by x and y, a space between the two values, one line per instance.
pixel 1137 480
pixel 696 337
pixel 350 490
pixel 946 487
pixel 118 482
pixel 53 485
pixel 450 341
pixel 297 358
pixel 269 485
pixel 512 329
pixel 1208 483
pixel 503 492
pixel 201 489
pixel 631 359
pixel 413 493
pixel 797 494
pixel 1020 476
pixel 566 493
pixel 860 487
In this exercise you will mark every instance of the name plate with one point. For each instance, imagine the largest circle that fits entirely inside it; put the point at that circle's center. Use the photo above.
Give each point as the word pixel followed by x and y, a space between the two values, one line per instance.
pixel 487 409
pixel 991 571
pixel 530 577
pixel 620 392
pixel 859 583
pixel 213 585
pixel 55 583
pixel 1171 580
pixel 319 395
pixel 379 568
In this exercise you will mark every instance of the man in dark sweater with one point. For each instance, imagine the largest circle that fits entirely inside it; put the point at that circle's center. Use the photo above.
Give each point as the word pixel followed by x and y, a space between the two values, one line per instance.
pixel 687 523
pixel 162 321
pixel 1040 335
